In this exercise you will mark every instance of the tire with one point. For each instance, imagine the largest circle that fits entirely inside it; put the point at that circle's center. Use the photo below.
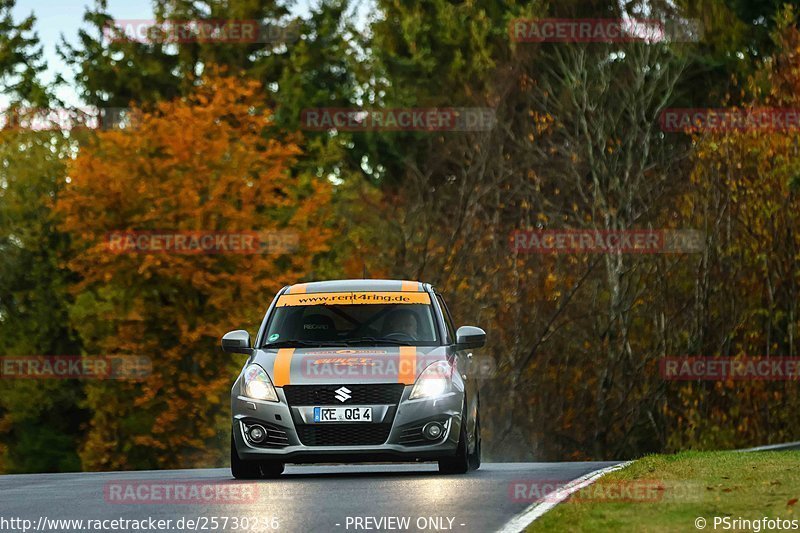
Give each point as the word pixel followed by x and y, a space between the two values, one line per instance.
pixel 271 469
pixel 241 469
pixel 458 464
pixel 475 457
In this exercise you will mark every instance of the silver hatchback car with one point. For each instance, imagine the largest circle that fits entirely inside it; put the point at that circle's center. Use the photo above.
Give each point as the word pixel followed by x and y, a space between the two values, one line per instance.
pixel 355 370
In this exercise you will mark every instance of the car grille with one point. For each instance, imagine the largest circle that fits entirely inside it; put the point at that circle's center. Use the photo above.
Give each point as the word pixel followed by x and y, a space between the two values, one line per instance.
pixel 343 434
pixel 372 394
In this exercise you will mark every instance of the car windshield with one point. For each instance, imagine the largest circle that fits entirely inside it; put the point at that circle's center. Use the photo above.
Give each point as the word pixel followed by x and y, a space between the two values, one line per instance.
pixel 351 319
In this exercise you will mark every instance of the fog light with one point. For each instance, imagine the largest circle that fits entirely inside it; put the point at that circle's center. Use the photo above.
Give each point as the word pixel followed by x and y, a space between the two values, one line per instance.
pixel 432 430
pixel 257 433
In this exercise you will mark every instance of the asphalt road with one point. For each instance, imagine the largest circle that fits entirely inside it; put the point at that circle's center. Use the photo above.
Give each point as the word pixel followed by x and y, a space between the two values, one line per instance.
pixel 306 498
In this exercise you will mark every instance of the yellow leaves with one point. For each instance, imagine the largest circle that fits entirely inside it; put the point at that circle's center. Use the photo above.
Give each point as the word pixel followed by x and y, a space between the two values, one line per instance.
pixel 550 282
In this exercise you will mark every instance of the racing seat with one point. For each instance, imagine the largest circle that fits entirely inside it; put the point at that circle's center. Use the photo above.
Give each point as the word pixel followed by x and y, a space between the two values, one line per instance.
pixel 317 327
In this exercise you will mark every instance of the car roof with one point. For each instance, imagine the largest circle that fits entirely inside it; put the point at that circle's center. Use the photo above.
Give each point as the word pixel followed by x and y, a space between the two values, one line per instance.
pixel 346 285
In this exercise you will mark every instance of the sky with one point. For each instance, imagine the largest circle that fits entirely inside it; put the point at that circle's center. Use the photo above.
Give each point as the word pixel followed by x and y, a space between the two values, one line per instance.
pixel 55 18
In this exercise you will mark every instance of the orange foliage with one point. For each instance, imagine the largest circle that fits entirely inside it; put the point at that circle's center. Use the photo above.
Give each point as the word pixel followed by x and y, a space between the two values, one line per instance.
pixel 202 163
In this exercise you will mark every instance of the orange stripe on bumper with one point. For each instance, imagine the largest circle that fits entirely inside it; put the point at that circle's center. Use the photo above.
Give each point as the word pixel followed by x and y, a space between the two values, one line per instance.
pixel 408 365
pixel 283 366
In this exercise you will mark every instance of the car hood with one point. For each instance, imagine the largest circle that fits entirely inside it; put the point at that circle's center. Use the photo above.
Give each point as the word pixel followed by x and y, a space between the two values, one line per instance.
pixel 320 366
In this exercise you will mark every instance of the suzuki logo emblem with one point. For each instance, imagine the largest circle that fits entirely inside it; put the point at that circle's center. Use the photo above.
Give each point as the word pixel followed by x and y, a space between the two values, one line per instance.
pixel 343 394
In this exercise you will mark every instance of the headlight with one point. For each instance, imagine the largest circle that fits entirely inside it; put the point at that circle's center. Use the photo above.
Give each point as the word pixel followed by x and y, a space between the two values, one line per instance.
pixel 434 381
pixel 256 384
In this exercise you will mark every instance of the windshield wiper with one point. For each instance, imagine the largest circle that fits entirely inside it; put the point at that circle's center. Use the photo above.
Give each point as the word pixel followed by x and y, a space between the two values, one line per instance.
pixel 373 340
pixel 339 342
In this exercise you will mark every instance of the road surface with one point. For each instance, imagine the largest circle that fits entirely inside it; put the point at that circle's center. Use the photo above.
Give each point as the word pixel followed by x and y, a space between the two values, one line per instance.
pixel 406 497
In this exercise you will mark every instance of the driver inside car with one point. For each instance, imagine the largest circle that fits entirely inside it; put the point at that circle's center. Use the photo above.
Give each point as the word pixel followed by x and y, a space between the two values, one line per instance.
pixel 401 321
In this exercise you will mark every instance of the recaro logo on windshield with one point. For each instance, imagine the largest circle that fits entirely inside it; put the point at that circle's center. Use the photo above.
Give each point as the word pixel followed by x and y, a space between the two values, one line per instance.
pixel 343 394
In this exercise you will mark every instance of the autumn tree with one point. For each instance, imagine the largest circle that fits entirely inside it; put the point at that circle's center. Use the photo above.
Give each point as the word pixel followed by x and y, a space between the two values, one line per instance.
pixel 312 64
pixel 746 300
pixel 198 163
pixel 576 145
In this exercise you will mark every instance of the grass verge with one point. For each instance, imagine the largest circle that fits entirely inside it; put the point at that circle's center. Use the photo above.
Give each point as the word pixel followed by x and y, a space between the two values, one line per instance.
pixel 669 493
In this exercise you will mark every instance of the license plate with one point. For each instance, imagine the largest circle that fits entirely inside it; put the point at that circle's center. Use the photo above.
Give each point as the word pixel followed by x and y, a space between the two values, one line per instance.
pixel 343 414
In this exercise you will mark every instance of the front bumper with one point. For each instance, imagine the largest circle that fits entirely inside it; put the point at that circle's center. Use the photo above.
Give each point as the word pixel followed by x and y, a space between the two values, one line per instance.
pixel 293 441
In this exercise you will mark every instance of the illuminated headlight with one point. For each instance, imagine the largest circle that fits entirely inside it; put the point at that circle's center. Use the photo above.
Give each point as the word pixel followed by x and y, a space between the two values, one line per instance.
pixel 256 384
pixel 434 381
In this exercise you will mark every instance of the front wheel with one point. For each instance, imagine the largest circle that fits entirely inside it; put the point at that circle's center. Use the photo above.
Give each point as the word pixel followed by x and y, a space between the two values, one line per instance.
pixel 475 456
pixel 271 469
pixel 241 469
pixel 458 464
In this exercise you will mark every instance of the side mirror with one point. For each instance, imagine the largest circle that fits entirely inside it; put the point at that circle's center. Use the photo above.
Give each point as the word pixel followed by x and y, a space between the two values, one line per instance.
pixel 470 337
pixel 236 342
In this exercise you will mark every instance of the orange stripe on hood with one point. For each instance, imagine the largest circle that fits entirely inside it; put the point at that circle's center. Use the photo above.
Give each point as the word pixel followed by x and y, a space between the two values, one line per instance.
pixel 283 367
pixel 407 368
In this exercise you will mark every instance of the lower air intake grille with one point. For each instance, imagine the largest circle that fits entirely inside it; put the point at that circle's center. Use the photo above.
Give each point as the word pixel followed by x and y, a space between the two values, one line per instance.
pixel 343 434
